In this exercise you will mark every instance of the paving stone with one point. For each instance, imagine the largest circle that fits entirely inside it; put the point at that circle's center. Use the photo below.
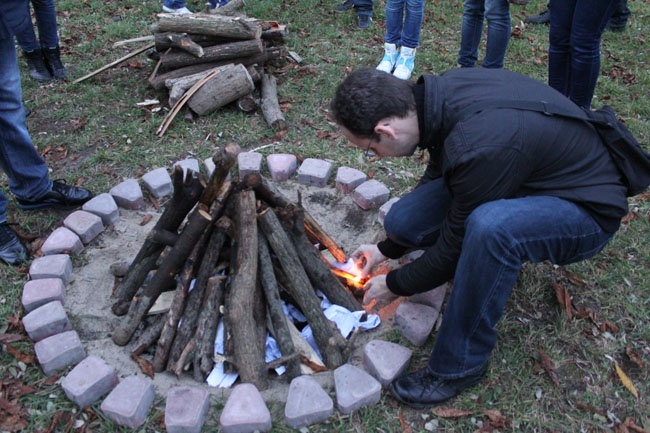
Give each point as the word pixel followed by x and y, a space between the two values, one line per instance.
pixel 249 162
pixel 188 164
pixel 59 351
pixel 385 360
pixel 104 206
pixel 307 403
pixel 158 182
pixel 347 179
pixel 415 321
pixel 354 388
pixel 245 411
pixel 370 194
pixel 384 208
pixel 62 240
pixel 128 195
pixel 315 172
pixel 128 404
pixel 89 380
pixel 85 224
pixel 281 165
pixel 185 409
pixel 54 266
pixel 46 320
pixel 40 292
pixel 433 298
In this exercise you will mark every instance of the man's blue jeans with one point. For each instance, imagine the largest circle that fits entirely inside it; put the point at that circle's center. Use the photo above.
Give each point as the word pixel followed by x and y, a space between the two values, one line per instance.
pixel 174 4
pixel 403 28
pixel 364 7
pixel 497 14
pixel 45 14
pixel 499 237
pixel 27 172
pixel 574 46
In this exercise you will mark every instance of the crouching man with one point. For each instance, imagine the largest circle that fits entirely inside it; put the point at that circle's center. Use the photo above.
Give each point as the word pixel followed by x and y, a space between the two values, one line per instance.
pixel 502 186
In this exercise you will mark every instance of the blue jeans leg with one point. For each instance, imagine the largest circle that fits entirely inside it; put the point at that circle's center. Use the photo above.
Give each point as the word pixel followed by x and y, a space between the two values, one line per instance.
pixel 394 21
pixel 497 14
pixel 499 237
pixel 471 31
pixel 27 172
pixel 404 22
pixel 174 4
pixel 364 7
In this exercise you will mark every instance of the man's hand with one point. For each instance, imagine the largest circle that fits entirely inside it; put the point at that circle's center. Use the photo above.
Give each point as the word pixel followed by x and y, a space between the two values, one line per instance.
pixel 377 289
pixel 366 257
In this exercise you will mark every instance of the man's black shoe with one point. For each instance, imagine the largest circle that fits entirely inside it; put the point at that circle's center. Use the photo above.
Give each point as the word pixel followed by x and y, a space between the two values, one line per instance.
pixel 346 5
pixel 422 389
pixel 61 195
pixel 363 21
pixel 542 18
pixel 614 26
pixel 12 250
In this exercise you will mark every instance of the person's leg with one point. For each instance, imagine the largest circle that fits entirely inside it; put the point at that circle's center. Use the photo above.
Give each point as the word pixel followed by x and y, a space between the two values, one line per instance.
pixel 497 14
pixel 559 49
pixel 394 22
pixel 412 23
pixel 26 36
pixel 499 237
pixel 45 14
pixel 471 31
pixel 364 10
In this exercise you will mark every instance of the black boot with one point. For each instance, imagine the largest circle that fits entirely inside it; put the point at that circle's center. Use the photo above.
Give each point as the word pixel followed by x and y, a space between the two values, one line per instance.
pixel 37 68
pixel 53 62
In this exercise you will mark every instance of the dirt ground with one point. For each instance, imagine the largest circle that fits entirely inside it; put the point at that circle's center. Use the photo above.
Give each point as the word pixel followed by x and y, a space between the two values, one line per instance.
pixel 89 292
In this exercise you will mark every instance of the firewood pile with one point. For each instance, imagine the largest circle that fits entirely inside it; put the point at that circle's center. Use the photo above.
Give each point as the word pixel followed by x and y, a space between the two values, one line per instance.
pixel 245 247
pixel 209 60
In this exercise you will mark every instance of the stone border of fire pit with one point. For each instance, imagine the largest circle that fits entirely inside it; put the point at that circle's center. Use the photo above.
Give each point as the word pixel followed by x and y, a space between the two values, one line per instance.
pixel 128 401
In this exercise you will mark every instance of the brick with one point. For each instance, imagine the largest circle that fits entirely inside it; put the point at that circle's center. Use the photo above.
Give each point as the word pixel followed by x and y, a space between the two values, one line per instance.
pixel 158 182
pixel 188 164
pixel 307 403
pixel 281 165
pixel 370 194
pixel 62 240
pixel 85 224
pixel 54 266
pixel 89 380
pixel 185 409
pixel 348 179
pixel 46 320
pixel 59 351
pixel 354 388
pixel 128 404
pixel 104 206
pixel 249 162
pixel 415 321
pixel 385 360
pixel 40 292
pixel 433 298
pixel 245 411
pixel 385 208
pixel 315 172
pixel 128 195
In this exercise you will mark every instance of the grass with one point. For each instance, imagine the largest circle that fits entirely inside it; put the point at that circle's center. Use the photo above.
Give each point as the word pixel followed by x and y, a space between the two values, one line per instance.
pixel 93 134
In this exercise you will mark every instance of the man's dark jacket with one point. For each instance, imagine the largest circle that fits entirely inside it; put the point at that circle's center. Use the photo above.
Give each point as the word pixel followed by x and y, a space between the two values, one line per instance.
pixel 499 154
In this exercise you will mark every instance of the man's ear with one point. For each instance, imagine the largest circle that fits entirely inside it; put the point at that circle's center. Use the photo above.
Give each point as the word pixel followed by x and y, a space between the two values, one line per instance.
pixel 385 128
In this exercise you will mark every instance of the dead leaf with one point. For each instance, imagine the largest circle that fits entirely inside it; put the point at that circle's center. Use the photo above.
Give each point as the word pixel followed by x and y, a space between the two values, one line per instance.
pixel 21 356
pixel 11 338
pixel 406 428
pixel 564 299
pixel 145 220
pixel 629 426
pixel 626 380
pixel 634 357
pixel 497 419
pixel 575 280
pixel 145 366
pixel 549 366
pixel 316 367
pixel 450 412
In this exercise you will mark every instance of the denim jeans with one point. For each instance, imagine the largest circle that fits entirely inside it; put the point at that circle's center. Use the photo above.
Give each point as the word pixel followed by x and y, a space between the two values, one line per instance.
pixel 499 237
pixel 363 7
pixel 174 4
pixel 45 14
pixel 574 46
pixel 497 14
pixel 403 29
pixel 27 172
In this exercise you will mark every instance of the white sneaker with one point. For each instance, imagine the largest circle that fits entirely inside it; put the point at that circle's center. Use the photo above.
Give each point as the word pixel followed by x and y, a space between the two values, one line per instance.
pixel 391 53
pixel 178 11
pixel 405 63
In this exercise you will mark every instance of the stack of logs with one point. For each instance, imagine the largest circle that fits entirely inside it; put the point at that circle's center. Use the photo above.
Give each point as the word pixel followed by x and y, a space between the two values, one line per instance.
pixel 266 244
pixel 208 60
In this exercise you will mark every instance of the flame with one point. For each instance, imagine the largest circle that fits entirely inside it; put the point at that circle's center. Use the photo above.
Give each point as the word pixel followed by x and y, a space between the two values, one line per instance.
pixel 350 272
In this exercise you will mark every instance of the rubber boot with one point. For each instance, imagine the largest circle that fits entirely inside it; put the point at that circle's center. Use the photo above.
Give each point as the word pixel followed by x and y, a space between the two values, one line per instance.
pixel 53 62
pixel 37 68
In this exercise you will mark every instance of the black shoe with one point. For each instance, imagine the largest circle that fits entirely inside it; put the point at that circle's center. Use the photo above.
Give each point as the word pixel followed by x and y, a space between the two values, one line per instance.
pixel 53 62
pixel 12 250
pixel 616 26
pixel 60 196
pixel 346 5
pixel 37 68
pixel 421 389
pixel 542 18
pixel 364 21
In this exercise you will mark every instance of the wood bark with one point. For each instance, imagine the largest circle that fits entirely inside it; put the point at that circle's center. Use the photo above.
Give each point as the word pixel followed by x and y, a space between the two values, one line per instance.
pixel 270 105
pixel 149 336
pixel 247 103
pixel 215 53
pixel 230 84
pixel 178 86
pixel 181 41
pixel 210 24
pixel 206 330
pixel 229 8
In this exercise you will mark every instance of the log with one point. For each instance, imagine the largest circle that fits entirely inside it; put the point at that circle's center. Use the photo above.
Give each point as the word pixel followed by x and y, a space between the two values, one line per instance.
pixel 329 340
pixel 223 162
pixel 248 354
pixel 215 53
pixel 181 41
pixel 149 336
pixel 229 8
pixel 178 86
pixel 270 105
pixel 206 330
pixel 231 84
pixel 247 103
pixel 210 24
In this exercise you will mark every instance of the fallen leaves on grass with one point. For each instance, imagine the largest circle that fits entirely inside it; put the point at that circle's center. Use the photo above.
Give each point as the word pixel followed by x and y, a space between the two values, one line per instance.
pixel 549 366
pixel 634 357
pixel 145 366
pixel 496 420
pixel 629 426
pixel 626 380
pixel 406 428
pixel 21 356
